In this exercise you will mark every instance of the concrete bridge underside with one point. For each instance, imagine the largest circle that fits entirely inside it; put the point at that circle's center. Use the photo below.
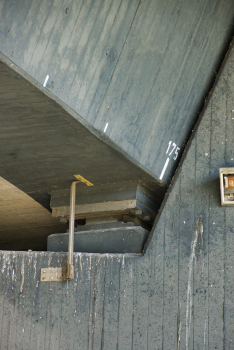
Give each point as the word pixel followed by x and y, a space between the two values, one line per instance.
pixel 109 90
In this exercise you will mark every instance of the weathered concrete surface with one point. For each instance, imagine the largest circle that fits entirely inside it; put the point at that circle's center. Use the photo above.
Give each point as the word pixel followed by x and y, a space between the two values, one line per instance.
pixel 117 238
pixel 111 89
pixel 179 295
pixel 43 145
pixel 143 67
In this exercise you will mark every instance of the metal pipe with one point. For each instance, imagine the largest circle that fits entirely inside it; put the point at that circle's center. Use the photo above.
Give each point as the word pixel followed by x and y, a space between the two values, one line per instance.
pixel 70 268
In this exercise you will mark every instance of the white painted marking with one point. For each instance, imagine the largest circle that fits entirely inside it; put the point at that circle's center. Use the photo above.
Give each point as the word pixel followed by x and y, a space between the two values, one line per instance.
pixel 178 343
pixel 169 145
pixel 176 153
pixel 173 148
pixel 46 80
pixel 164 169
pixel 106 126
pixel 205 334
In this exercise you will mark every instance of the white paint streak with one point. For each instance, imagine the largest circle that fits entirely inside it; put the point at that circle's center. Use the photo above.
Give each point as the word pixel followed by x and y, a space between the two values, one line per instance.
pixel 35 267
pixel 49 260
pixel 13 277
pixel 46 80
pixel 106 126
pixel 169 145
pixel 179 329
pixel 90 265
pixel 164 169
pixel 4 263
pixel 205 335
pixel 80 263
pixel 189 302
pixel 173 148
pixel 22 277
pixel 202 250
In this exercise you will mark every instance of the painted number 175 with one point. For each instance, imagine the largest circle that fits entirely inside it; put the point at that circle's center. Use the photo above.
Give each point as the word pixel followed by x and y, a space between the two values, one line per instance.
pixel 172 148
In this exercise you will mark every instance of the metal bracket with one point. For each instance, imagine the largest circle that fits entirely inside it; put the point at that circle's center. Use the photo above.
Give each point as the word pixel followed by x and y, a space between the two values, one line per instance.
pixel 55 274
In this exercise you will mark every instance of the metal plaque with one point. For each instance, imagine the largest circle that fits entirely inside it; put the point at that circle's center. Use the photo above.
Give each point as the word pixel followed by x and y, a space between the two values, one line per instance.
pixel 53 274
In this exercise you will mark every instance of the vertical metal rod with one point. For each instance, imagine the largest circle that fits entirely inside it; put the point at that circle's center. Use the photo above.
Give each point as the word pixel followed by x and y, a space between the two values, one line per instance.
pixel 70 268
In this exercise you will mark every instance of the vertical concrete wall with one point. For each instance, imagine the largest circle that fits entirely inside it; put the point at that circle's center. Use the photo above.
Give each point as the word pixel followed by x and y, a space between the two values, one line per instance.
pixel 179 295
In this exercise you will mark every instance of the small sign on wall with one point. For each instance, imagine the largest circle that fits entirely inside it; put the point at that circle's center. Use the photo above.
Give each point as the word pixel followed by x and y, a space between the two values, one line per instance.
pixel 227 186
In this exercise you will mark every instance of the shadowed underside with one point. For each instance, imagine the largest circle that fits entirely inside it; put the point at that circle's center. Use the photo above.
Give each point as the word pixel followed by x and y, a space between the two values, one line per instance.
pixel 42 148
pixel 123 84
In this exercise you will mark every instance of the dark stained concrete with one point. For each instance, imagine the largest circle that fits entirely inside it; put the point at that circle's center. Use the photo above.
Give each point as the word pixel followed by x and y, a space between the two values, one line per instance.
pixel 179 295
pixel 43 146
pixel 143 67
